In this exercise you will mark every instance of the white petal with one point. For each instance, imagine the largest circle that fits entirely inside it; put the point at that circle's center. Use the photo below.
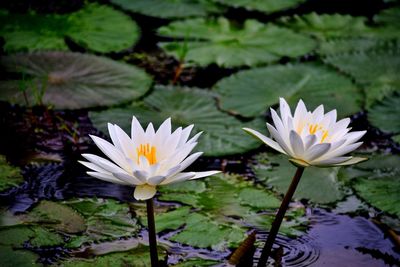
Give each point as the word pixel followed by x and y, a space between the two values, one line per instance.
pixel 150 133
pixel 354 136
pixel 103 163
pixel 205 174
pixel 284 109
pixel 296 144
pixel 183 176
pixel 189 160
pixel 343 150
pixel 309 141
pixel 144 192
pixel 156 180
pixel 180 155
pixel 266 140
pixel 300 116
pixel 169 146
pixel 172 171
pixel 185 135
pixel 282 143
pixel 279 125
pixel 353 160
pixel 106 177
pixel 126 143
pixel 93 167
pixel 194 138
pixel 141 175
pixel 113 135
pixel 137 132
pixel 318 114
pixel 165 129
pixel 316 151
pixel 331 161
pixel 127 178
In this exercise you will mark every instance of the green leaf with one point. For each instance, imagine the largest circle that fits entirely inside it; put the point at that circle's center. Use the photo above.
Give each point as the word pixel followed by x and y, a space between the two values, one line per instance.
pixel 72 80
pixel 10 176
pixel 220 41
pixel 396 138
pixel 21 258
pixel 251 92
pixel 258 198
pixel 262 6
pixel 328 26
pixel 222 134
pixel 196 262
pixel 36 236
pixel 350 45
pixel 319 185
pixel 389 17
pixel 170 9
pixel 386 113
pixel 171 220
pixel 382 193
pixel 376 71
pixel 87 27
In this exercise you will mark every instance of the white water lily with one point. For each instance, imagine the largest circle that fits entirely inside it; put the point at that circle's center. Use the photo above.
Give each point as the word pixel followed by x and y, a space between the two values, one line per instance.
pixel 311 138
pixel 146 160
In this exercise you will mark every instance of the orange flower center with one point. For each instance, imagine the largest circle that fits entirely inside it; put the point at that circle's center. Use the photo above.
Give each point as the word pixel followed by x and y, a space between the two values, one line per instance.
pixel 147 151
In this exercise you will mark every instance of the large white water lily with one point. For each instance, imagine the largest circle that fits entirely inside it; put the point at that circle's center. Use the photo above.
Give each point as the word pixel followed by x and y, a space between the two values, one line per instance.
pixel 147 159
pixel 311 138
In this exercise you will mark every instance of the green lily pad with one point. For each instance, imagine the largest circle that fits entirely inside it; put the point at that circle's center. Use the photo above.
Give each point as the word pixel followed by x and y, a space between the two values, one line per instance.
pixel 196 262
pixel 71 80
pixel 222 134
pixel 170 9
pixel 262 6
pixel 171 220
pixel 386 113
pixel 21 258
pixel 319 185
pixel 87 27
pixel 389 17
pixel 328 26
pixel 220 41
pixel 382 193
pixel 36 236
pixel 376 71
pixel 10 176
pixel 351 45
pixel 251 92
pixel 396 138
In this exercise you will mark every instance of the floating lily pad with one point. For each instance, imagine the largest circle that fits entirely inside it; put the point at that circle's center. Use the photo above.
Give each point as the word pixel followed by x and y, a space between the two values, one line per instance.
pixel 319 185
pixel 269 6
pixel 328 26
pixel 170 9
pixel 196 262
pixel 376 71
pixel 172 220
pixel 36 236
pixel 9 176
pixel 87 27
pixel 21 258
pixel 385 114
pixel 350 45
pixel 222 134
pixel 221 42
pixel 71 80
pixel 389 17
pixel 251 92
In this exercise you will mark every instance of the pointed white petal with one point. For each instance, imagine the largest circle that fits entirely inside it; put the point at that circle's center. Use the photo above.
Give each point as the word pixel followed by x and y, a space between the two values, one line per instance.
pixel 343 150
pixel 93 167
pixel 331 161
pixel 189 160
pixel 266 140
pixel 106 177
pixel 137 132
pixel 144 192
pixel 318 114
pixel 127 145
pixel 296 144
pixel 113 136
pixel 279 125
pixel 309 141
pixel 353 160
pixel 282 143
pixel 141 175
pixel 194 138
pixel 103 163
pixel 127 178
pixel 180 177
pixel 156 180
pixel 185 135
pixel 316 151
pixel 354 136
pixel 204 174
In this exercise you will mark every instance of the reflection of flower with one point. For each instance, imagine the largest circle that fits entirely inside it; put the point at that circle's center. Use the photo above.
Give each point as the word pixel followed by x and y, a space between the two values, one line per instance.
pixel 311 138
pixel 147 160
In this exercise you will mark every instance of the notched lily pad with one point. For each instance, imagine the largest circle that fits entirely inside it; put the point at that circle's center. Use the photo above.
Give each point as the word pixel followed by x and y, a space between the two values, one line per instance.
pixel 87 27
pixel 386 113
pixel 251 92
pixel 319 185
pixel 10 176
pixel 220 41
pixel 71 80
pixel 222 134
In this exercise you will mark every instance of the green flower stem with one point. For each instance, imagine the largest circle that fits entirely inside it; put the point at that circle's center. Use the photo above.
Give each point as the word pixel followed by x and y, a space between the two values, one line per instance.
pixel 279 217
pixel 152 233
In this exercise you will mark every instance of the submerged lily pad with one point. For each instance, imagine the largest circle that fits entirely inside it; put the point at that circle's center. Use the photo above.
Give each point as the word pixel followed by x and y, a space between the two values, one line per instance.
pixel 319 185
pixel 170 9
pixel 251 92
pixel 87 27
pixel 220 41
pixel 71 80
pixel 222 134
pixel 10 176
pixel 385 114
pixel 376 71
pixel 269 6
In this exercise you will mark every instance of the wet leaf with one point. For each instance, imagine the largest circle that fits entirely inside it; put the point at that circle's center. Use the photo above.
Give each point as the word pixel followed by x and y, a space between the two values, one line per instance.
pixel 72 80
pixel 21 258
pixel 10 176
pixel 222 134
pixel 87 27
pixel 36 236
pixel 170 9
pixel 319 185
pixel 219 41
pixel 386 113
pixel 376 71
pixel 251 92
pixel 262 6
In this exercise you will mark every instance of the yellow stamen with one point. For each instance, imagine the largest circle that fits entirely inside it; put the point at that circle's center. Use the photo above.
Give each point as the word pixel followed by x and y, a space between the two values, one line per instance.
pixel 147 151
pixel 324 135
pixel 313 128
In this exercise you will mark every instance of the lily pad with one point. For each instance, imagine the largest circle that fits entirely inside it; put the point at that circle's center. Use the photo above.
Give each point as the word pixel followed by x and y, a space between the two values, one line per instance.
pixel 251 92
pixel 351 45
pixel 10 176
pixel 87 27
pixel 222 134
pixel 36 236
pixel 328 26
pixel 376 71
pixel 269 6
pixel 196 262
pixel 319 185
pixel 71 80
pixel 220 41
pixel 21 258
pixel 389 17
pixel 386 113
pixel 170 9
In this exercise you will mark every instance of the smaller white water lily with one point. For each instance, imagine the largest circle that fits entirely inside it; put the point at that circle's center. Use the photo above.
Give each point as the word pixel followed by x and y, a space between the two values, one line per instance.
pixel 311 138
pixel 146 160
